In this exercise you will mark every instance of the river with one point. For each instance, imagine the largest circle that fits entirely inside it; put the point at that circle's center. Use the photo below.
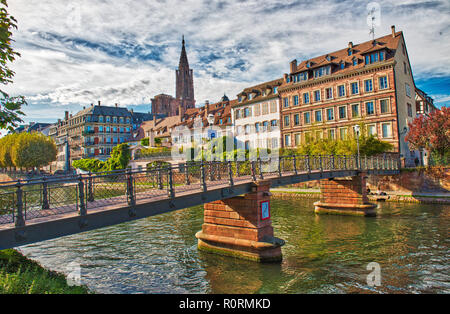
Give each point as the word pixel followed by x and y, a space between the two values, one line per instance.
pixel 322 254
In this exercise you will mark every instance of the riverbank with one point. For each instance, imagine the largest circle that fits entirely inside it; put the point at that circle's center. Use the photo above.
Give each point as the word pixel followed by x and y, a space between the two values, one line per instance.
pixel 20 275
pixel 423 198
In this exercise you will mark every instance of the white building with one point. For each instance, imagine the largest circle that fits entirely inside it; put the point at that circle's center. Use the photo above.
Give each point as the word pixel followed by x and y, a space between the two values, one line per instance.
pixel 256 117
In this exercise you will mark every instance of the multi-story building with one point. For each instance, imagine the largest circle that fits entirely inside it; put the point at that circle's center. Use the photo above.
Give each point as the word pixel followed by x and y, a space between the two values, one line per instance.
pixel 424 103
pixel 256 116
pixel 327 96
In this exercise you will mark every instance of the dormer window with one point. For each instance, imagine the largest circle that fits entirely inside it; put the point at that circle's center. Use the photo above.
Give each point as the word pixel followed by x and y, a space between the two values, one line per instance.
pixel 342 65
pixel 375 57
pixel 355 61
pixel 328 58
pixel 349 52
pixel 275 89
pixel 322 71
pixel 250 96
pixel 308 64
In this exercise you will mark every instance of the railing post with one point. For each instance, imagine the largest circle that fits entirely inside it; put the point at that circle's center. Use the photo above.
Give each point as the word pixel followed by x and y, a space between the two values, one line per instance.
pixel 345 162
pixel 308 164
pixel 160 181
pixel 230 173
pixel 130 192
pixel 320 164
pixel 171 190
pixel 332 163
pixel 186 173
pixel 82 209
pixel 279 166
pixel 294 160
pixel 203 177
pixel 260 169
pixel 90 188
pixel 45 204
pixel 19 220
pixel 253 163
pixel 237 168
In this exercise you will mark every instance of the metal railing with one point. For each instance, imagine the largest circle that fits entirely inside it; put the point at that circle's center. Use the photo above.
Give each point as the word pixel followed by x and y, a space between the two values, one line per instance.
pixel 24 200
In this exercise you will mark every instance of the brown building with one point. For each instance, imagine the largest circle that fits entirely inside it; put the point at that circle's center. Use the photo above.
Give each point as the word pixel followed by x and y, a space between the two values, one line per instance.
pixel 327 96
pixel 184 99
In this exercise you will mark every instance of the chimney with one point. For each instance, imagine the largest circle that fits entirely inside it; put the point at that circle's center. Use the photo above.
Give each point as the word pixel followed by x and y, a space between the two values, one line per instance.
pixel 207 106
pixel 66 115
pixel 99 103
pixel 350 44
pixel 181 111
pixel 293 65
pixel 393 30
pixel 116 105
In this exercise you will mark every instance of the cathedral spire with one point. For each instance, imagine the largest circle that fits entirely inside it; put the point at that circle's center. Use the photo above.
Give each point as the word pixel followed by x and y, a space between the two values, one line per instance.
pixel 183 57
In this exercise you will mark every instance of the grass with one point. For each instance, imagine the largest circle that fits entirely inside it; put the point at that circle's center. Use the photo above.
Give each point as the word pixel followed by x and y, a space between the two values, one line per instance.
pixel 20 275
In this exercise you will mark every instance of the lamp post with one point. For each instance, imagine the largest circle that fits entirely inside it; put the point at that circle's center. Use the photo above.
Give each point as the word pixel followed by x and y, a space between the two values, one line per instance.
pixel 357 144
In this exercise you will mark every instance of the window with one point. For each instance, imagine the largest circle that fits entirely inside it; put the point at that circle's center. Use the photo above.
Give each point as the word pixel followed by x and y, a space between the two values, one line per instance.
pixel 410 114
pixel 257 124
pixel 384 105
pixel 306 98
pixel 342 112
pixel 382 82
pixel 368 87
pixel 330 114
pixel 100 128
pixel 265 126
pixel 343 133
pixel 298 139
pixel 250 96
pixel 247 112
pixel 238 114
pixel 307 137
pixel 386 130
pixel 382 55
pixel 331 134
pixel 318 115
pixel 296 100
pixel 296 119
pixel 114 119
pixel 355 61
pixel 286 121
pixel 302 76
pixel 341 90
pixel 247 145
pixel 355 110
pixel 317 95
pixel 329 93
pixel 273 124
pixel 247 129
pixel 405 68
pixel 108 119
pixel 121 120
pixel 257 109
pixel 326 70
pixel 372 129
pixel 349 51
pixel 319 134
pixel 374 57
pixel 408 90
pixel 354 87
pixel 370 108
pixel 286 102
pixel 275 89
pixel 307 117
pixel 273 106
pixel 287 140
pixel 265 108
pixel 100 119
pixel 342 65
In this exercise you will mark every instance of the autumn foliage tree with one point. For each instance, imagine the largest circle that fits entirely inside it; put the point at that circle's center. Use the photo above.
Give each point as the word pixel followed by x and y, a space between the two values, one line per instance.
pixel 431 132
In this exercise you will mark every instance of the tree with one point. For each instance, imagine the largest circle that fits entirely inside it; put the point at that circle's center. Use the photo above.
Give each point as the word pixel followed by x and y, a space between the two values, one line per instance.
pixel 32 150
pixel 145 141
pixel 431 132
pixel 10 107
pixel 6 144
pixel 120 157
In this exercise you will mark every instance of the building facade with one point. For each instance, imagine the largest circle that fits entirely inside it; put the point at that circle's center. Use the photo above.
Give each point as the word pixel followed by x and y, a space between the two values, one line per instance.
pixel 256 116
pixel 368 83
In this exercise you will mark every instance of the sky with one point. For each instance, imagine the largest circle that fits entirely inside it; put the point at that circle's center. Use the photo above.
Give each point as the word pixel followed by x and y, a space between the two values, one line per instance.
pixel 74 53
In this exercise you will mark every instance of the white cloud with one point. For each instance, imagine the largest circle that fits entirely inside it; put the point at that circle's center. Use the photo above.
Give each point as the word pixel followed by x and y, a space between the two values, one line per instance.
pixel 79 52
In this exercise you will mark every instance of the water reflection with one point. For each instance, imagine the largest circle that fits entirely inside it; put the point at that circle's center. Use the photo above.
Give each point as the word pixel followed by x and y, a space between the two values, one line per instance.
pixel 323 254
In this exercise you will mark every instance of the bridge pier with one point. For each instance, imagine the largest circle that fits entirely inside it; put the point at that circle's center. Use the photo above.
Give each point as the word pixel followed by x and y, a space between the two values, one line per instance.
pixel 241 227
pixel 345 196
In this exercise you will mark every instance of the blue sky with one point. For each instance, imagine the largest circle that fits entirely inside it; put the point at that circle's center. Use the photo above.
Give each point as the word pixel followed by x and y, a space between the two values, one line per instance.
pixel 78 52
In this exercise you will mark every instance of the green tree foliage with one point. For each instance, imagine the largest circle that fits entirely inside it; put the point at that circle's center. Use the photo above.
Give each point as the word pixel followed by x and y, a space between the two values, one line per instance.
pixel 145 141
pixel 369 145
pixel 120 157
pixel 33 150
pixel 26 150
pixel 6 144
pixel 10 107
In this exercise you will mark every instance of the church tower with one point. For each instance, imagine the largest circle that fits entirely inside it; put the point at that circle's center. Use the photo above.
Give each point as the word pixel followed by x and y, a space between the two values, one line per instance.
pixel 184 81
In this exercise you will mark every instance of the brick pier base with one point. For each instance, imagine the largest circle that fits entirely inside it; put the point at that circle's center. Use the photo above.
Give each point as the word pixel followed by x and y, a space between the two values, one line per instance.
pixel 241 227
pixel 345 196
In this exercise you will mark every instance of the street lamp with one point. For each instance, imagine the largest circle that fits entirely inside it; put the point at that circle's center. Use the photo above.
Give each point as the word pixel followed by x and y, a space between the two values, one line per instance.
pixel 357 143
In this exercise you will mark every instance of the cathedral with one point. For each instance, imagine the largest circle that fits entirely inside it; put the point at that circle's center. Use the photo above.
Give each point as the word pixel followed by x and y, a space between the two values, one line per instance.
pixel 163 104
